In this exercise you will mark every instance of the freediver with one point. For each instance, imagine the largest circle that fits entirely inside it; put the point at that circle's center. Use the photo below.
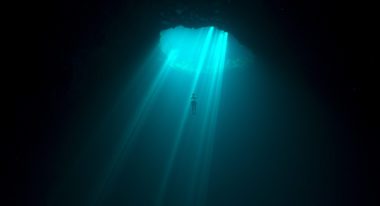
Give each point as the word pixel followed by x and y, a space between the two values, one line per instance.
pixel 193 103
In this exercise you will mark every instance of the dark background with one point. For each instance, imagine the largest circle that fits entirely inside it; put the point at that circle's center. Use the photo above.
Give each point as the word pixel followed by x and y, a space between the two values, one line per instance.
pixel 69 51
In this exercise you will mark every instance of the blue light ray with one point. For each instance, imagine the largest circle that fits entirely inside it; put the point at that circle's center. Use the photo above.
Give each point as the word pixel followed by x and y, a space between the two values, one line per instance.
pixel 211 61
pixel 213 120
pixel 197 190
pixel 204 127
pixel 185 115
pixel 135 125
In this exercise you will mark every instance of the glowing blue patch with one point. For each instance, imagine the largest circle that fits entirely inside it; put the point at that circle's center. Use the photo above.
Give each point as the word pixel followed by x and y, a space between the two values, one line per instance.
pixel 189 47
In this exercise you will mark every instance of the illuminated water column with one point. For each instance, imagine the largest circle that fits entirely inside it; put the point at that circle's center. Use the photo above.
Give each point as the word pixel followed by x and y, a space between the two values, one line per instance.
pixel 199 180
pixel 210 64
pixel 216 95
pixel 179 133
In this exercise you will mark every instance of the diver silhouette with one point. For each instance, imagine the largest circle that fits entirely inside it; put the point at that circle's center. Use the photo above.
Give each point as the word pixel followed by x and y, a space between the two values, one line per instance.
pixel 193 104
